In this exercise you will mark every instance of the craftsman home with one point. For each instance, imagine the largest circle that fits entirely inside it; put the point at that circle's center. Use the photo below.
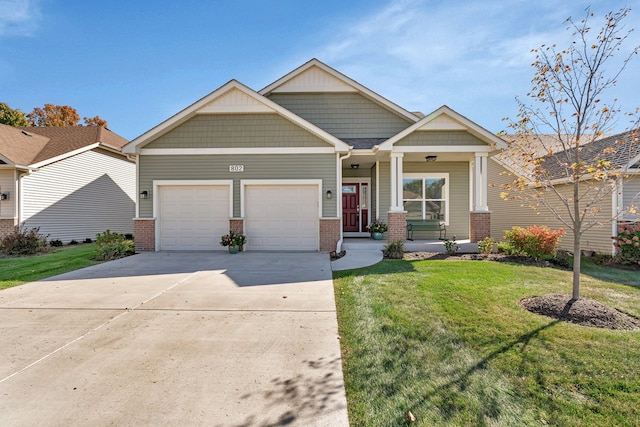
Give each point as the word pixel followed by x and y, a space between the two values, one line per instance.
pixel 310 159
pixel 72 182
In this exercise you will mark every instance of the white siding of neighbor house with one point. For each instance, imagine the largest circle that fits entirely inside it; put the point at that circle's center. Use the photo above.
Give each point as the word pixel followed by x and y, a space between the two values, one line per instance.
pixel 631 196
pixel 509 213
pixel 7 185
pixel 80 196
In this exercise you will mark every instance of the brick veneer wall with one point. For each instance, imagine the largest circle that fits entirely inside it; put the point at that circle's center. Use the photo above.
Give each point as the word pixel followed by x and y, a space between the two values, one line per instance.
pixel 397 226
pixel 144 232
pixel 480 225
pixel 7 225
pixel 329 234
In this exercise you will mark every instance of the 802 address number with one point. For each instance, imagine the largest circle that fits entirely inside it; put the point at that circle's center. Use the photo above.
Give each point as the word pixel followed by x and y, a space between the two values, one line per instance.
pixel 236 168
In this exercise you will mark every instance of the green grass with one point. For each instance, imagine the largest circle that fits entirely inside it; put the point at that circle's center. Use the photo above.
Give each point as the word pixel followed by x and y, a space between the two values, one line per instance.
pixel 16 271
pixel 448 341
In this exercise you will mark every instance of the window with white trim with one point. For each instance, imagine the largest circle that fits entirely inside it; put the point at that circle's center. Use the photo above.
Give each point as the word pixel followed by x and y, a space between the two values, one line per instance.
pixel 426 196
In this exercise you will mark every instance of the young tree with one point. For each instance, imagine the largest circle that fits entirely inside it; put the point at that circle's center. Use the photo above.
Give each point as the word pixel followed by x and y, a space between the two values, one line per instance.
pixel 554 154
pixel 11 117
pixel 53 115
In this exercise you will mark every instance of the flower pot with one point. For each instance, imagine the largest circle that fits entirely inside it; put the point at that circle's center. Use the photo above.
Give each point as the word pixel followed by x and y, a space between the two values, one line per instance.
pixel 377 236
pixel 233 249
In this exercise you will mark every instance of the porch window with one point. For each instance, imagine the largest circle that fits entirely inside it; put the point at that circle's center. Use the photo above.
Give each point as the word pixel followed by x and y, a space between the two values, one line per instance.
pixel 426 196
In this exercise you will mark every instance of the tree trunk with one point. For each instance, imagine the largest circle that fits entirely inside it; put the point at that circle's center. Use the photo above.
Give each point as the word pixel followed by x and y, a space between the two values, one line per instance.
pixel 576 265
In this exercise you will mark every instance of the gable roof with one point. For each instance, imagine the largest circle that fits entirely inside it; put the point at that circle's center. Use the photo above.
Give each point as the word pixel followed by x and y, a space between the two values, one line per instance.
pixel 19 147
pixel 232 97
pixel 35 146
pixel 316 76
pixel 444 118
pixel 622 151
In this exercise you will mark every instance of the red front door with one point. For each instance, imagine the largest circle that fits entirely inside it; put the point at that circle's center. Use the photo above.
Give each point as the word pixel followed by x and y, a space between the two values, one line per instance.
pixel 350 207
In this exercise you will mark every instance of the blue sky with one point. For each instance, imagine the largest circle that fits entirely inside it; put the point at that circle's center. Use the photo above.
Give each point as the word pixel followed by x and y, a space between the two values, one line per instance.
pixel 136 63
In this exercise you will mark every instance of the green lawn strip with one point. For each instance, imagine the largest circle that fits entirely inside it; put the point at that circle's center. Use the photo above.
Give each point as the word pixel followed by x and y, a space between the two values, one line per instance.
pixel 448 341
pixel 19 270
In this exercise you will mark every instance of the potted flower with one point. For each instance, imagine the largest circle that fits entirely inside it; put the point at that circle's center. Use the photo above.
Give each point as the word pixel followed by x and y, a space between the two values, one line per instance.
pixel 233 240
pixel 376 228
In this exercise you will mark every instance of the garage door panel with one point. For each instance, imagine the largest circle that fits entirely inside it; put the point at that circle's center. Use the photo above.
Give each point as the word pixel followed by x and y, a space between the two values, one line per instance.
pixel 193 217
pixel 282 217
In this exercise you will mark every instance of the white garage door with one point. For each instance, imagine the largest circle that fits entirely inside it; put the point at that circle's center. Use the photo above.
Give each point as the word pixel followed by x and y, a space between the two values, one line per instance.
pixel 282 217
pixel 192 217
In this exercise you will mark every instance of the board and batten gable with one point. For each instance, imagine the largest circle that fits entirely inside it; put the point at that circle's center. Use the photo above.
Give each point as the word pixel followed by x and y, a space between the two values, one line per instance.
pixel 256 166
pixel 8 185
pixel 79 196
pixel 344 115
pixel 506 214
pixel 237 131
pixel 440 138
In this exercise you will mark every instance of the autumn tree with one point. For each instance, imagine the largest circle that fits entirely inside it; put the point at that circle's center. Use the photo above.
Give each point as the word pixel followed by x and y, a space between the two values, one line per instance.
pixel 95 121
pixel 11 117
pixel 53 115
pixel 554 154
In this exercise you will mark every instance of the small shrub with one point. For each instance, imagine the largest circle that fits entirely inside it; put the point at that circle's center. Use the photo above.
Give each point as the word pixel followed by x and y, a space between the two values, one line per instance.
pixel 128 236
pixel 450 246
pixel 486 245
pixel 88 240
pixel 73 242
pixel 394 249
pixel 110 246
pixel 627 244
pixel 24 242
pixel 562 259
pixel 55 243
pixel 537 242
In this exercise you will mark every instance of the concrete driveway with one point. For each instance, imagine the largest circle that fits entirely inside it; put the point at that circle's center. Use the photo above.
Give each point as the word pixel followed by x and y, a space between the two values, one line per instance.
pixel 188 339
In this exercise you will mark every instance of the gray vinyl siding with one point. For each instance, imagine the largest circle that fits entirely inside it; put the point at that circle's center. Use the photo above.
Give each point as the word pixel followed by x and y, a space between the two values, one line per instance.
pixel 80 196
pixel 447 138
pixel 509 213
pixel 345 115
pixel 631 197
pixel 237 131
pixel 458 194
pixel 216 167
pixel 7 185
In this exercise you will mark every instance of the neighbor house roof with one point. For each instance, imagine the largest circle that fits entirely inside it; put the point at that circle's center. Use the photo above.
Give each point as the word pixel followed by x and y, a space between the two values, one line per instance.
pixel 37 145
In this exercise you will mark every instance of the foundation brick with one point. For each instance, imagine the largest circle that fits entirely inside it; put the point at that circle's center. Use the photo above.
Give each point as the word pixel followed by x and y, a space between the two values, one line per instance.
pixel 7 225
pixel 144 231
pixel 329 234
pixel 397 222
pixel 480 225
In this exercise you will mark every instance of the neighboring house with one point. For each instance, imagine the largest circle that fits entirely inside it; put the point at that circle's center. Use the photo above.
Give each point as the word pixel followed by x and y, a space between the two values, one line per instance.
pixel 72 182
pixel 310 159
pixel 621 150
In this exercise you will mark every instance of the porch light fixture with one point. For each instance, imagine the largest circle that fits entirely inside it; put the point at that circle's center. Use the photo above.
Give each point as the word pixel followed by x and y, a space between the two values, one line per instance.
pixel 329 194
pixel 354 166
pixel 4 196
pixel 144 194
pixel 431 158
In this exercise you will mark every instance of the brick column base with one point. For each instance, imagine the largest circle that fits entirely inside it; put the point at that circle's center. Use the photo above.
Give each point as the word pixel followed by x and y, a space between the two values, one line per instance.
pixel 7 225
pixel 329 234
pixel 144 233
pixel 480 225
pixel 236 225
pixel 397 226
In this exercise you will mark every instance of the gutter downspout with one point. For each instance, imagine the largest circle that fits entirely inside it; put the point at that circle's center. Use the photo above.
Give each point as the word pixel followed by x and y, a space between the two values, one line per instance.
pixel 339 196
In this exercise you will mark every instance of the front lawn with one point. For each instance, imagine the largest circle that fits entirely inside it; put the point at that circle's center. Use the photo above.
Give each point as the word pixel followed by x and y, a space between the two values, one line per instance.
pixel 19 270
pixel 448 341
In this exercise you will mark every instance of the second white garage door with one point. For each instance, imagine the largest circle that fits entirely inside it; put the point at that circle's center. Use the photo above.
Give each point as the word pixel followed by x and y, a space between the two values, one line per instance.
pixel 192 217
pixel 282 217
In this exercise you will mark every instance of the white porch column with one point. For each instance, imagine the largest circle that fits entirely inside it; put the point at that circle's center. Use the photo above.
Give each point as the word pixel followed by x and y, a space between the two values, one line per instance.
pixel 396 182
pixel 480 183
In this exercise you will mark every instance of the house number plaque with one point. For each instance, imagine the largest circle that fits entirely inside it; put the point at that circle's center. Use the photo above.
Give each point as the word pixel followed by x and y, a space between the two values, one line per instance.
pixel 236 168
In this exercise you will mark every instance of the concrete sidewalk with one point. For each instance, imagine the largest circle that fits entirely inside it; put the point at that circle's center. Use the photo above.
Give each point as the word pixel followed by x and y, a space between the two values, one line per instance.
pixel 175 339
pixel 363 252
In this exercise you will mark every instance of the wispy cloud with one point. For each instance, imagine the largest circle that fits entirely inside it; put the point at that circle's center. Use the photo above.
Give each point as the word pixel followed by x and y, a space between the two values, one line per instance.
pixel 19 17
